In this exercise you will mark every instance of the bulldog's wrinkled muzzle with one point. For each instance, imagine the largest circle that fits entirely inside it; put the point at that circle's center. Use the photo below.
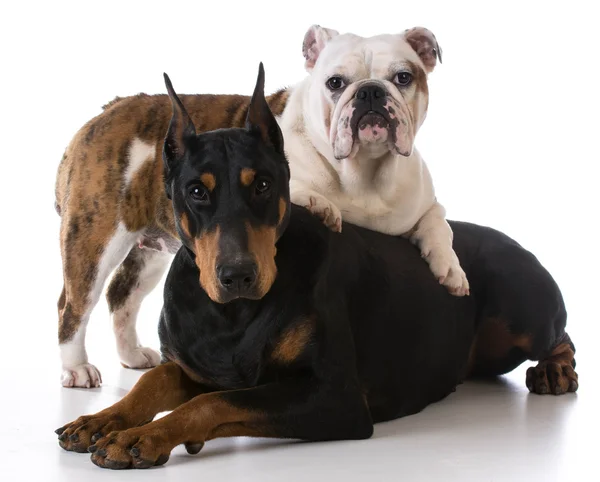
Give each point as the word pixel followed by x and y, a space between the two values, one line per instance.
pixel 372 116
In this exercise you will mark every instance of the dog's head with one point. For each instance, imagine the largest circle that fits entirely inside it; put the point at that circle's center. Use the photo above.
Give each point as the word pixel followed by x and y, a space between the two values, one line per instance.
pixel 230 193
pixel 368 95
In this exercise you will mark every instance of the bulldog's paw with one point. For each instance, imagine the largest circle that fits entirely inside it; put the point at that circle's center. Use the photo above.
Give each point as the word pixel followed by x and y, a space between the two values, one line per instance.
pixel 140 357
pixel 82 376
pixel 321 207
pixel 77 436
pixel 445 266
pixel 136 448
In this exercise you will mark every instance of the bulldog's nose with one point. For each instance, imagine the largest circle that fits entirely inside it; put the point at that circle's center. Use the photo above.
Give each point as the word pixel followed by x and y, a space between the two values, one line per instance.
pixel 370 92
pixel 237 278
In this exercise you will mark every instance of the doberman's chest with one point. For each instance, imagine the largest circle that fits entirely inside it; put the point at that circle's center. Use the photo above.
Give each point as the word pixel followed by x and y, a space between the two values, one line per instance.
pixel 215 352
pixel 220 359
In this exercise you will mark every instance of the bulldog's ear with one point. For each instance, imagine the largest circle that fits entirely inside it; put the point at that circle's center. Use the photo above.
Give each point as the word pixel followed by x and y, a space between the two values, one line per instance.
pixel 181 130
pixel 315 40
pixel 260 119
pixel 425 45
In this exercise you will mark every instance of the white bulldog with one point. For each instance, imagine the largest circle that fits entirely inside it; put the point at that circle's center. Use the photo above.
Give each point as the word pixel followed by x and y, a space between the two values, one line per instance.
pixel 349 129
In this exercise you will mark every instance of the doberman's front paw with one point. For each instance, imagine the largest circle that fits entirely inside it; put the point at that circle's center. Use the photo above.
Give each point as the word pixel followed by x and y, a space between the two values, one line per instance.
pixel 131 449
pixel 77 436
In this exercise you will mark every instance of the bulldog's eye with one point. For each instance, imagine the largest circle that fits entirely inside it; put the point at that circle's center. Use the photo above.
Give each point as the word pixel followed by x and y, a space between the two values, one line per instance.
pixel 199 195
pixel 335 83
pixel 403 78
pixel 262 187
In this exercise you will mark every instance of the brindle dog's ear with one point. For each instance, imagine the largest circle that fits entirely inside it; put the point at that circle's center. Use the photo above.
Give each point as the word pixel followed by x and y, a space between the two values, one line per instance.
pixel 260 119
pixel 425 45
pixel 181 129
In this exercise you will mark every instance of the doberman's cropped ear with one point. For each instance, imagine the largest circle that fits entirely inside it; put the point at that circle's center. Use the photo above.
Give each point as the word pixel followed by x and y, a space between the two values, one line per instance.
pixel 181 130
pixel 260 119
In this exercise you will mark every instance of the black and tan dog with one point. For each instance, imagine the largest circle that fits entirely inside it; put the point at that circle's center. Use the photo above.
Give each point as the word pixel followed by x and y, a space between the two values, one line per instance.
pixel 274 326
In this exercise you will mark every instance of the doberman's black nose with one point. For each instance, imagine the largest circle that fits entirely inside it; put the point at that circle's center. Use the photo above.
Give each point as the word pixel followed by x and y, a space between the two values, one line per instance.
pixel 370 92
pixel 237 278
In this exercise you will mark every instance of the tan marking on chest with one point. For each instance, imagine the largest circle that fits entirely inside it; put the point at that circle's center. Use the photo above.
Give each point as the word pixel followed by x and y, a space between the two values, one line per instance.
pixel 293 341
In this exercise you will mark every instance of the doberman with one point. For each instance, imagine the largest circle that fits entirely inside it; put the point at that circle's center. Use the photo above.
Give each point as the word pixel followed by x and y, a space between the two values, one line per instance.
pixel 275 326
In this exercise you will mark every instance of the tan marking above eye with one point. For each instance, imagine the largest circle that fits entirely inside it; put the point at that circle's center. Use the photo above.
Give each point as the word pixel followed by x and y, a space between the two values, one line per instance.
pixel 208 180
pixel 247 176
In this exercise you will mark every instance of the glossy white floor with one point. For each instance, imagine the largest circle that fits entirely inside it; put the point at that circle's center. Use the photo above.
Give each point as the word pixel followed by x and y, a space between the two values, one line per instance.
pixel 492 431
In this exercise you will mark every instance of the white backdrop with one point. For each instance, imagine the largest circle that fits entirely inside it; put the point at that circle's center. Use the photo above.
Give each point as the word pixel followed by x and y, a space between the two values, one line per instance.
pixel 511 136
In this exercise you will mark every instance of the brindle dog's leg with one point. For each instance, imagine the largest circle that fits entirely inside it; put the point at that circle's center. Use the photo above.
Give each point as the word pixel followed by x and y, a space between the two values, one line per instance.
pixel 137 276
pixel 293 409
pixel 162 388
pixel 90 251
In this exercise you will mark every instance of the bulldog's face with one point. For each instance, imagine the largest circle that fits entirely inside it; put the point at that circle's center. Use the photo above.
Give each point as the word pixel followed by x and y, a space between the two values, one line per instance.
pixel 369 95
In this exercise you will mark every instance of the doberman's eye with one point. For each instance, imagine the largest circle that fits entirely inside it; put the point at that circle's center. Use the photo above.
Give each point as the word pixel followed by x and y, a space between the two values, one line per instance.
pixel 262 187
pixel 335 83
pixel 199 195
pixel 403 78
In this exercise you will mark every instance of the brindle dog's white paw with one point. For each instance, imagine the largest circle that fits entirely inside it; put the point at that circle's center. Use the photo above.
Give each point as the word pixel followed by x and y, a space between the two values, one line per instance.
pixel 140 357
pixel 81 376
pixel 321 207
pixel 446 268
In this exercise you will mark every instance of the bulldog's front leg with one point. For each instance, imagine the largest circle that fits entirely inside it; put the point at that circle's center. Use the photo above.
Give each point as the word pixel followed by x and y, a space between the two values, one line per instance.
pixel 293 409
pixel 434 237
pixel 162 388
pixel 317 204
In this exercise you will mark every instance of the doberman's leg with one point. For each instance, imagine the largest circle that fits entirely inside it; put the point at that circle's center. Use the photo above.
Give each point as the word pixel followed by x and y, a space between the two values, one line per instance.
pixel 293 409
pixel 162 388
pixel 555 373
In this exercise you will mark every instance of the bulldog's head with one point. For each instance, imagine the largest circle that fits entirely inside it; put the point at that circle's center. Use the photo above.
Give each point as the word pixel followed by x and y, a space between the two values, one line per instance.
pixel 368 95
